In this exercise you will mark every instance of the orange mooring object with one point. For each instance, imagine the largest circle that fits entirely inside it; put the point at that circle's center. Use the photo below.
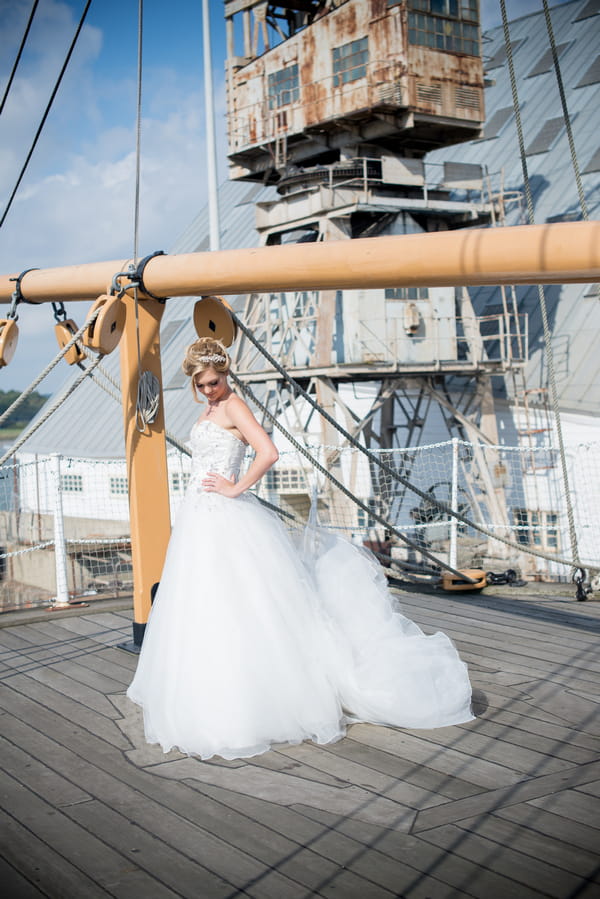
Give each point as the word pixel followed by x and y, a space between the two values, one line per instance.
pixel 451 582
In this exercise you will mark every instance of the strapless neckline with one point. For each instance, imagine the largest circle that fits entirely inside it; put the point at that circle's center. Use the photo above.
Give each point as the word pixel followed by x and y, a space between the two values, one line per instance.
pixel 207 421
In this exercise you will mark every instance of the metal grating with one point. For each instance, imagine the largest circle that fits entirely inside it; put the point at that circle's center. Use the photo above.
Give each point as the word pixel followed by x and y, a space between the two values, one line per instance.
pixel 429 93
pixel 467 98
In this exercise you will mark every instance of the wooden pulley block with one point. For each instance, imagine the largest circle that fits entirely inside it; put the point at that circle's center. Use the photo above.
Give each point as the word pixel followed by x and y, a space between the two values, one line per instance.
pixel 64 332
pixel 212 318
pixel 9 335
pixel 451 582
pixel 104 334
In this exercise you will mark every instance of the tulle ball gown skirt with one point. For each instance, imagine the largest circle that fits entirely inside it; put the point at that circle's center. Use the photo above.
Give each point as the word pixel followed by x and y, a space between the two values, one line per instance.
pixel 253 640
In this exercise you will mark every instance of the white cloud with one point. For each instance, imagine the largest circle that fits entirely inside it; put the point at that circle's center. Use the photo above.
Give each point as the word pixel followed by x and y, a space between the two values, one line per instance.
pixel 76 203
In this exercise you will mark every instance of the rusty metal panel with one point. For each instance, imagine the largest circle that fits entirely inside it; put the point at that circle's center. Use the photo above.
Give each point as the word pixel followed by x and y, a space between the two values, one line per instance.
pixel 395 78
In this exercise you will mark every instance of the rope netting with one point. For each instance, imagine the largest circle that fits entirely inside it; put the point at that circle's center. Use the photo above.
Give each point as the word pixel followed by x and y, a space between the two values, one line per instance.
pixel 91 495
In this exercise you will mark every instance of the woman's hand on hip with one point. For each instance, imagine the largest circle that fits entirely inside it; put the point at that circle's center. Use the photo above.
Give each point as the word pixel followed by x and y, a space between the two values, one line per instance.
pixel 216 483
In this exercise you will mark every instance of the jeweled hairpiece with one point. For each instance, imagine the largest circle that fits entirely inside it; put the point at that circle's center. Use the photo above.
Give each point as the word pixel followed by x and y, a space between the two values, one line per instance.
pixel 214 357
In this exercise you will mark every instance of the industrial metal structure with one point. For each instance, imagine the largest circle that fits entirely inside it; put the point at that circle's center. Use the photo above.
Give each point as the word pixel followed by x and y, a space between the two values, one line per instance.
pixel 336 104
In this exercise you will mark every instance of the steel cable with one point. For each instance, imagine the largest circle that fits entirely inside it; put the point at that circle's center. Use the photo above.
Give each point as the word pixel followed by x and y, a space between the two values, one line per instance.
pixel 46 113
pixel 18 57
pixel 298 390
pixel 575 561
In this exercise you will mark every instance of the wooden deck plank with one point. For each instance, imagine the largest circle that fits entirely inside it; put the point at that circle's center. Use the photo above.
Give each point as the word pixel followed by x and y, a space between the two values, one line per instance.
pixel 509 735
pixel 53 631
pixel 95 679
pixel 67 686
pixel 42 864
pixel 12 642
pixel 535 874
pixel 149 815
pixel 112 620
pixel 536 790
pixel 15 885
pixel 562 674
pixel 518 715
pixel 426 870
pixel 472 742
pixel 531 843
pixel 513 616
pixel 486 633
pixel 325 854
pixel 70 710
pixel 353 853
pixel 552 826
pixel 85 625
pixel 184 875
pixel 111 870
pixel 402 769
pixel 356 773
pixel 98 663
pixel 517 628
pixel 287 789
pixel 525 705
pixel 572 804
pixel 38 776
pixel 436 756
pixel 372 815
pixel 593 789
pixel 273 836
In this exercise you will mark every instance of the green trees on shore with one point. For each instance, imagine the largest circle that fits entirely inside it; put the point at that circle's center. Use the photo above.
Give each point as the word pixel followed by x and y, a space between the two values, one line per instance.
pixel 24 413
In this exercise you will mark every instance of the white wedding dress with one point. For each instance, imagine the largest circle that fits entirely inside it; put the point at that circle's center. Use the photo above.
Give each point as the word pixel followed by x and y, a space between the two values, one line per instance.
pixel 253 640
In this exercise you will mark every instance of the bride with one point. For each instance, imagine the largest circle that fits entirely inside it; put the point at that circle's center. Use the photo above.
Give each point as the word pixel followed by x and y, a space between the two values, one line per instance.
pixel 253 640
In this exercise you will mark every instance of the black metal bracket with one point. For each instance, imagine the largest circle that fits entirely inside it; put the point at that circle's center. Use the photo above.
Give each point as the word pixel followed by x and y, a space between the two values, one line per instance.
pixel 17 294
pixel 137 275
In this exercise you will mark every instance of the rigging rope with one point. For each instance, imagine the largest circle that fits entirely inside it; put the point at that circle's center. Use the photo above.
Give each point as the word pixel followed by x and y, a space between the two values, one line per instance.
pixel 138 133
pixel 148 389
pixel 52 407
pixel 46 112
pixel 316 464
pixel 575 562
pixel 18 58
pixel 298 390
pixel 566 117
pixel 46 371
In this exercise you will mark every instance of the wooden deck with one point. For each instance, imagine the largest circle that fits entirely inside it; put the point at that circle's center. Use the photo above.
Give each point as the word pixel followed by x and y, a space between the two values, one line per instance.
pixel 506 806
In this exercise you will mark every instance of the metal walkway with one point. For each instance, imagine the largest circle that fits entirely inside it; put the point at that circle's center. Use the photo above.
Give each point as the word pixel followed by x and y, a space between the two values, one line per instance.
pixel 506 806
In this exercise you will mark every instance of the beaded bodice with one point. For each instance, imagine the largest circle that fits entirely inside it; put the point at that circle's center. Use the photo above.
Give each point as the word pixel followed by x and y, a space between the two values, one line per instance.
pixel 215 449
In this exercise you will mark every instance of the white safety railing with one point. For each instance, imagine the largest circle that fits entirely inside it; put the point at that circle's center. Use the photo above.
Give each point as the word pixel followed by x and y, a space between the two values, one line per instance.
pixel 64 525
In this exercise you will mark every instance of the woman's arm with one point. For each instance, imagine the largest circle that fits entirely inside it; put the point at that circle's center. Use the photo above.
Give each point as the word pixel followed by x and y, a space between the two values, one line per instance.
pixel 242 418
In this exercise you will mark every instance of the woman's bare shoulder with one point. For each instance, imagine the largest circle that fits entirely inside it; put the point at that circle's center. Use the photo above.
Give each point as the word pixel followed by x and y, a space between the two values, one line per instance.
pixel 236 406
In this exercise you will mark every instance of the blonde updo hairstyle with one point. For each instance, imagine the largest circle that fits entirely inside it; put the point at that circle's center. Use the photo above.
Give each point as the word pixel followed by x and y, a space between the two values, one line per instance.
pixel 205 353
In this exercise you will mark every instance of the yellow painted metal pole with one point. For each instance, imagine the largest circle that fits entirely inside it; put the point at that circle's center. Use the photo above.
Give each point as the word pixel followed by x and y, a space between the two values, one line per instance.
pixel 146 461
pixel 528 254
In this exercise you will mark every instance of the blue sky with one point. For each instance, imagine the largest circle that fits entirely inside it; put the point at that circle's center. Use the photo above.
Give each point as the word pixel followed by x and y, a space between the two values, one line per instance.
pixel 75 203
